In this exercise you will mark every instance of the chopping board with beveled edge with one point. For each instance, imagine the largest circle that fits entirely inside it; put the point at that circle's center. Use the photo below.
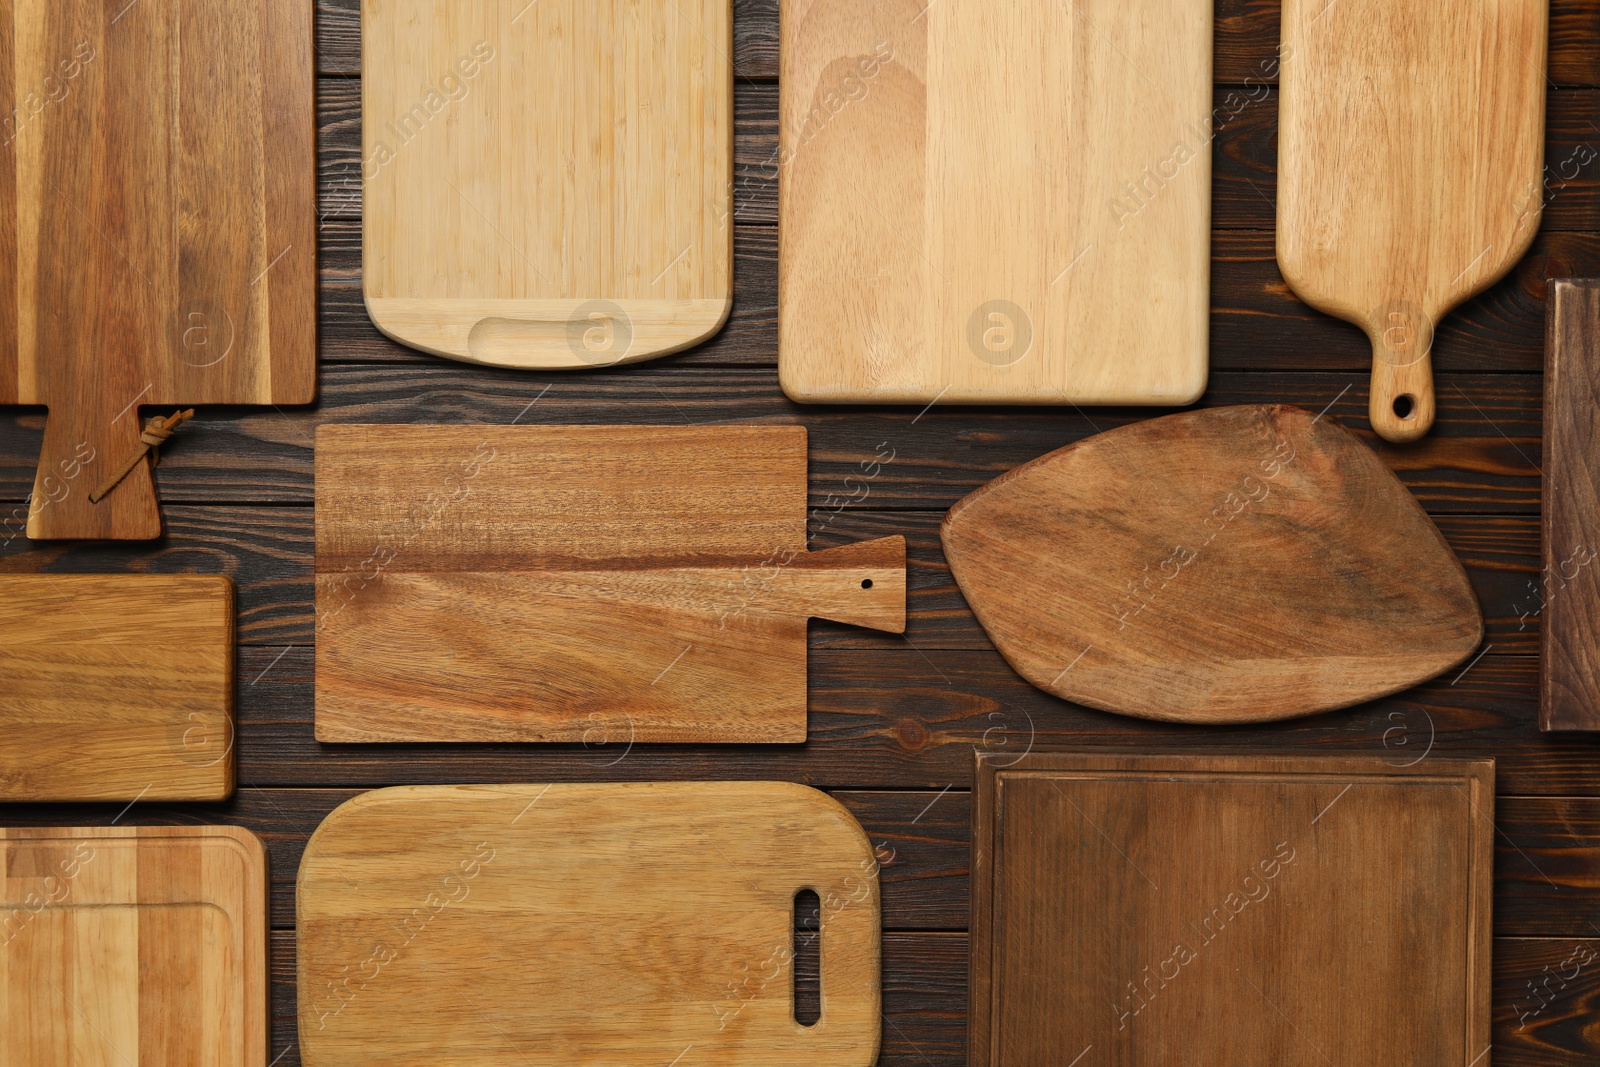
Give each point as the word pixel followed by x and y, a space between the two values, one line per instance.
pixel 602 584
pixel 1237 564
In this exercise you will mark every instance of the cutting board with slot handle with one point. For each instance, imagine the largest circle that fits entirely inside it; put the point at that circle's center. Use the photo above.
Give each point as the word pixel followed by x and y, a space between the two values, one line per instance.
pixel 594 923
pixel 547 184
pixel 158 230
pixel 1237 564
pixel 133 946
pixel 604 584
pixel 1410 170
pixel 997 202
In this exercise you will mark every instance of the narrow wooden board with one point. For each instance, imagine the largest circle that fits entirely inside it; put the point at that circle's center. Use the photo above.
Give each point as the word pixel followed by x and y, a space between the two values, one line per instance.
pixel 1569 587
pixel 133 947
pixel 1233 564
pixel 547 185
pixel 559 924
pixel 116 687
pixel 157 230
pixel 1410 158
pixel 1222 910
pixel 560 583
pixel 1005 202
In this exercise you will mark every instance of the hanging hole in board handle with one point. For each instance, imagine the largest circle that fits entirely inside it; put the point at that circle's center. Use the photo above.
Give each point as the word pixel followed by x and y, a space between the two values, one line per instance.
pixel 866 583
pixel 1405 406
pixel 806 968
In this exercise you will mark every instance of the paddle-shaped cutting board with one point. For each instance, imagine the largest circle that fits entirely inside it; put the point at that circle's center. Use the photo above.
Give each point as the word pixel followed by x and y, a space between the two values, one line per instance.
pixel 157 230
pixel 551 925
pixel 1410 156
pixel 996 202
pixel 116 687
pixel 133 947
pixel 547 184
pixel 605 584
pixel 1227 565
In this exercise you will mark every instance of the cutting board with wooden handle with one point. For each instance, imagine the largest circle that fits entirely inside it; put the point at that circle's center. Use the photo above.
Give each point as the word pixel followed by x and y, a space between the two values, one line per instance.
pixel 116 687
pixel 1234 564
pixel 577 583
pixel 1410 159
pixel 997 202
pixel 158 242
pixel 133 947
pixel 547 184
pixel 632 924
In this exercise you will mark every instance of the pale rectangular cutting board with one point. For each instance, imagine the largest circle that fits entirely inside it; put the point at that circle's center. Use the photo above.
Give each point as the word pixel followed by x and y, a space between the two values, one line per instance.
pixel 632 925
pixel 602 584
pixel 997 202
pixel 547 184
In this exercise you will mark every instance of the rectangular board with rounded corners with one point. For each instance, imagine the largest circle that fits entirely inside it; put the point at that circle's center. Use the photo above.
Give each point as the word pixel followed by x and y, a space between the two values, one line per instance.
pixel 1220 910
pixel 116 687
pixel 133 947
pixel 547 184
pixel 548 925
pixel 158 239
pixel 997 202
pixel 597 584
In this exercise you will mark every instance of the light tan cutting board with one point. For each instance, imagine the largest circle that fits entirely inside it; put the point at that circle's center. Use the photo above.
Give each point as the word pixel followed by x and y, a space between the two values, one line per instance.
pixel 547 184
pixel 1410 156
pixel 996 202
pixel 133 947
pixel 632 925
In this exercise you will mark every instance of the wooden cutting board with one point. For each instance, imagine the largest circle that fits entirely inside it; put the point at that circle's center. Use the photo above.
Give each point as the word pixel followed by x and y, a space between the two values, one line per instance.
pixel 158 242
pixel 605 584
pixel 116 687
pixel 998 202
pixel 547 184
pixel 1410 170
pixel 559 924
pixel 1224 910
pixel 133 947
pixel 1226 565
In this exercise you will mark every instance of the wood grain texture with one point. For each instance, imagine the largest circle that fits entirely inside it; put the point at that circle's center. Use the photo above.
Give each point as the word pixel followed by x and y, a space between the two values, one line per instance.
pixel 1228 565
pixel 932 251
pixel 556 924
pixel 1410 168
pixel 116 687
pixel 550 186
pixel 559 584
pixel 141 947
pixel 1570 668
pixel 1118 899
pixel 159 245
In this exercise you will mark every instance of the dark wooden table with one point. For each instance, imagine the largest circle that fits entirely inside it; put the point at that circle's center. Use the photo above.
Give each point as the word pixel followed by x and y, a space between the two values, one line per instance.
pixel 895 721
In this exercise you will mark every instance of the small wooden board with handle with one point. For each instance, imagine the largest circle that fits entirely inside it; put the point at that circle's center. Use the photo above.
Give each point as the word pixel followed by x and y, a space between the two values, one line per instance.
pixel 157 230
pixel 1410 156
pixel 576 583
pixel 547 925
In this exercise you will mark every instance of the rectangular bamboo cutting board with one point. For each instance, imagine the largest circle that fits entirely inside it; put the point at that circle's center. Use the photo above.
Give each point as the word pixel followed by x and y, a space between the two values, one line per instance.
pixel 116 687
pixel 604 584
pixel 999 202
pixel 1301 910
pixel 133 947
pixel 547 184
pixel 633 925
pixel 157 233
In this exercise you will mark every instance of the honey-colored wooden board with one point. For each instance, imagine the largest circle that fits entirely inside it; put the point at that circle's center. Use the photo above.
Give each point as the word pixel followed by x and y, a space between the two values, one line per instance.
pixel 998 202
pixel 1224 910
pixel 547 184
pixel 133 947
pixel 116 687
pixel 577 583
pixel 560 924
pixel 157 230
pixel 1226 565
pixel 1410 156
